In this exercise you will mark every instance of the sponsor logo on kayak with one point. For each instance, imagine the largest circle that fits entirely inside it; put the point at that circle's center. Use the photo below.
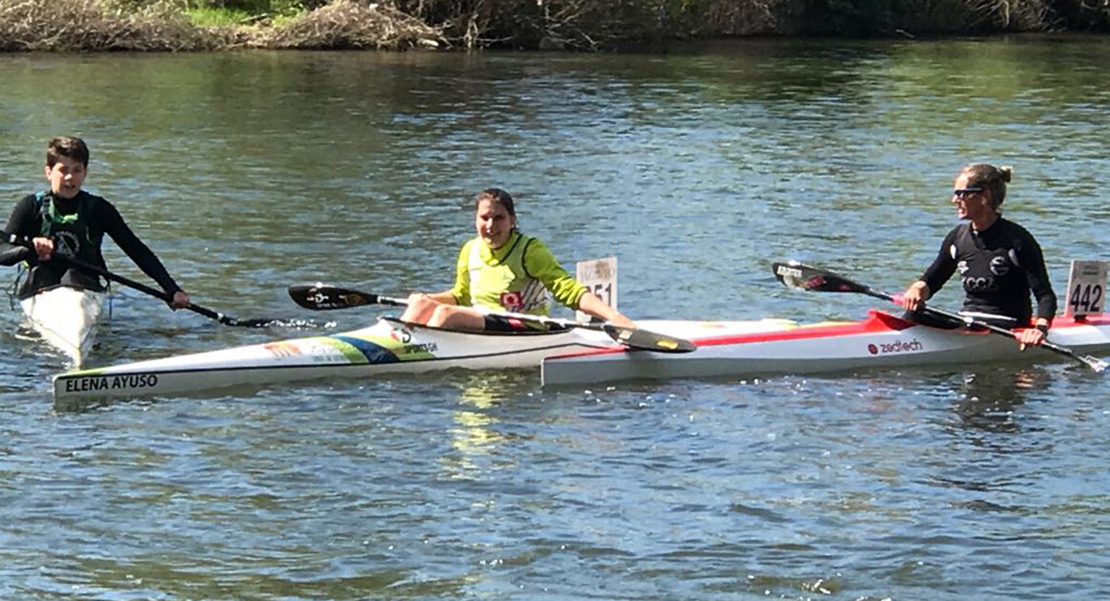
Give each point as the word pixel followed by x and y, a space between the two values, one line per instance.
pixel 96 383
pixel 284 348
pixel 408 347
pixel 896 347
pixel 424 347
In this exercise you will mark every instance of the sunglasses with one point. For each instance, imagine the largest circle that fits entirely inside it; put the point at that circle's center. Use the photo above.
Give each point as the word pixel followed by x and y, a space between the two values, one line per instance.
pixel 965 192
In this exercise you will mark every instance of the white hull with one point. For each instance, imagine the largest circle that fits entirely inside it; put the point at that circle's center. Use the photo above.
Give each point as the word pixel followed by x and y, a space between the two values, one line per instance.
pixel 880 341
pixel 577 356
pixel 67 318
pixel 386 347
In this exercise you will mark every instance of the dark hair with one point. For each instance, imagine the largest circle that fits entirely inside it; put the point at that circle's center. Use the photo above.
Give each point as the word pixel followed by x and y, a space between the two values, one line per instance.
pixel 990 178
pixel 69 147
pixel 499 196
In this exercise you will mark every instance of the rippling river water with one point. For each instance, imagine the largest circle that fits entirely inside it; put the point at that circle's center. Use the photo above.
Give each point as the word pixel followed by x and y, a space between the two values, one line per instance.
pixel 250 171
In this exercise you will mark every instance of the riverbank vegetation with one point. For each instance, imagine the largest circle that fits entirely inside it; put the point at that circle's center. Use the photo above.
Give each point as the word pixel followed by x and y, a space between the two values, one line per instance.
pixel 592 25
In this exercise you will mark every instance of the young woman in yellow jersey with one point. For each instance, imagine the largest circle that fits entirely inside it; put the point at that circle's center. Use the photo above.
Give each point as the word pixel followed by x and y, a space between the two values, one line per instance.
pixel 503 270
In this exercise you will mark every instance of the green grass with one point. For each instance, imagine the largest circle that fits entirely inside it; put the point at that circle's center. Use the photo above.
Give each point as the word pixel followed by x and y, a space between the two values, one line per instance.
pixel 215 17
pixel 282 20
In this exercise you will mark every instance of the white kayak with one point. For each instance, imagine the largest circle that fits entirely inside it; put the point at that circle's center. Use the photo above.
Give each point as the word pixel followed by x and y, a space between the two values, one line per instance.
pixel 387 347
pixel 67 318
pixel 881 340
pixel 574 356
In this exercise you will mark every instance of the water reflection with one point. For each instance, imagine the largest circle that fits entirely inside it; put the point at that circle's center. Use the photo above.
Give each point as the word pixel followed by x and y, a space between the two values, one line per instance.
pixel 990 433
pixel 987 399
pixel 476 433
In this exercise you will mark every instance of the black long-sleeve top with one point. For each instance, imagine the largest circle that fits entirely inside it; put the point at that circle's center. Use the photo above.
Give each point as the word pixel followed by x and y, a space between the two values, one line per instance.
pixel 998 267
pixel 103 218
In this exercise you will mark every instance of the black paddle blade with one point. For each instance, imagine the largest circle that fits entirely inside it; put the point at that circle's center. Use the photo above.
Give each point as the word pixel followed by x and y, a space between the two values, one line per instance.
pixel 320 297
pixel 796 275
pixel 648 341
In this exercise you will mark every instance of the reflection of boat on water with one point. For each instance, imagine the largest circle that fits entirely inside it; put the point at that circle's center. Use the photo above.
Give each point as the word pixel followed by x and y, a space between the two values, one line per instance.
pixel 478 428
pixel 988 398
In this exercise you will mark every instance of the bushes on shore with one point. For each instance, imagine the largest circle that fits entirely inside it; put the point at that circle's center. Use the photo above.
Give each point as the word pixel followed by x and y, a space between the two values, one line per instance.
pixel 179 25
pixel 86 25
pixel 351 24
pixel 110 25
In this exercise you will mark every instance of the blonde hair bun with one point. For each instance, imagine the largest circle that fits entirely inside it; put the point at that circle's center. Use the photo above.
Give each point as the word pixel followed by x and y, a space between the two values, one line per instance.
pixel 1007 172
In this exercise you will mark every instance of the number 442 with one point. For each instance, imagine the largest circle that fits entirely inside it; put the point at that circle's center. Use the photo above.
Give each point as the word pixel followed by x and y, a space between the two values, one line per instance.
pixel 1086 298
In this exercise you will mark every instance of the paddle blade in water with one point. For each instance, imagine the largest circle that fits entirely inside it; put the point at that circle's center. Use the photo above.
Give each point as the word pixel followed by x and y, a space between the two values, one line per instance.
pixel 1096 364
pixel 649 341
pixel 796 275
pixel 300 324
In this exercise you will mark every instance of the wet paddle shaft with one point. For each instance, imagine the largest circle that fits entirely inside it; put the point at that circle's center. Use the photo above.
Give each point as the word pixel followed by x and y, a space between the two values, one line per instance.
pixel 159 294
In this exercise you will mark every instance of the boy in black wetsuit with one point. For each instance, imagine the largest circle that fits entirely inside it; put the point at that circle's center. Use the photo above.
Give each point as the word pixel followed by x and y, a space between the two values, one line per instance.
pixel 999 261
pixel 68 221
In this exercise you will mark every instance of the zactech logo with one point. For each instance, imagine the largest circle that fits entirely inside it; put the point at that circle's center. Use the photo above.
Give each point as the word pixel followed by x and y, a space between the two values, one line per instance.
pixel 896 347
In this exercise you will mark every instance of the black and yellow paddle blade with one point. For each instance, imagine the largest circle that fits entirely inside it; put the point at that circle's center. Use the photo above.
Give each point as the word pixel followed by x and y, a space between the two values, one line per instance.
pixel 648 341
pixel 321 297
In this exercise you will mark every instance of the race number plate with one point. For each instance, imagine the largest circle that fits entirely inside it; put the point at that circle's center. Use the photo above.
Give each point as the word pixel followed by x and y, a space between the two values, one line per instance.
pixel 600 277
pixel 1086 289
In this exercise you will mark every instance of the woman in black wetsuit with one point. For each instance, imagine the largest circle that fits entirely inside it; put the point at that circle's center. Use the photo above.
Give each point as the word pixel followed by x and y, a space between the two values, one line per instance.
pixel 999 261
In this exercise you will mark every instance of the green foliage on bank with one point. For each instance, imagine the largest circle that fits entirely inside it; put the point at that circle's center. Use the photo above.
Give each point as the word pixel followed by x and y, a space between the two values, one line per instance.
pixel 591 25
pixel 526 22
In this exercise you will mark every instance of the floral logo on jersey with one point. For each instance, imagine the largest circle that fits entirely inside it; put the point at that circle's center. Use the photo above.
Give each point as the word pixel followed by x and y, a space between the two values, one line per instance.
pixel 962 267
pixel 512 301
pixel 67 244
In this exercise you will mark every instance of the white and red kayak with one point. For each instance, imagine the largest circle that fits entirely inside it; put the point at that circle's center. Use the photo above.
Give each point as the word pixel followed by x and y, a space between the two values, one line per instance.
pixel 572 356
pixel 881 340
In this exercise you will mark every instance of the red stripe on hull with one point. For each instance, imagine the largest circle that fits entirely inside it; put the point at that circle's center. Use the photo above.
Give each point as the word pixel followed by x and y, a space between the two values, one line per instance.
pixel 876 321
